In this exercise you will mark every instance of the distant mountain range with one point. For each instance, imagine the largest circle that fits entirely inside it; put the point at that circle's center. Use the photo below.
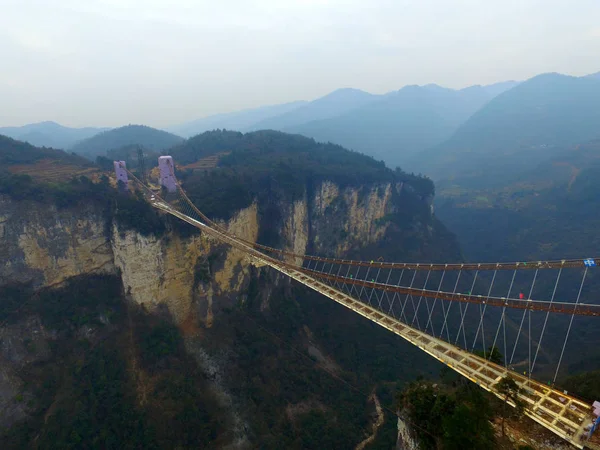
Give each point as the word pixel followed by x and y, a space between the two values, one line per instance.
pixel 390 127
pixel 147 137
pixel 238 120
pixel 402 123
pixel 331 105
pixel 49 134
pixel 517 130
pixel 444 133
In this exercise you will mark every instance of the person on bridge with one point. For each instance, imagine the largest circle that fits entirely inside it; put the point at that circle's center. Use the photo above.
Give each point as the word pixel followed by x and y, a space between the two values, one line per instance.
pixel 521 296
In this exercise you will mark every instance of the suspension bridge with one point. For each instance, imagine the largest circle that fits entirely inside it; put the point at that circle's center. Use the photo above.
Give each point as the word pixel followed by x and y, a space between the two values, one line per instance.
pixel 448 311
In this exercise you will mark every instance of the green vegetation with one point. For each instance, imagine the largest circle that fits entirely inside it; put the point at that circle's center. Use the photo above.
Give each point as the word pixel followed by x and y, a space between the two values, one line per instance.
pixel 87 391
pixel 130 211
pixel 268 368
pixel 492 354
pixel 17 152
pixel 129 154
pixel 275 372
pixel 147 137
pixel 510 390
pixel 549 213
pixel 584 384
pixel 272 166
pixel 448 416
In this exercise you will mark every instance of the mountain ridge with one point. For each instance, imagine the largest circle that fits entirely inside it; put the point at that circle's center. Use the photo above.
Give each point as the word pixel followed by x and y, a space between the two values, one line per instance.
pixel 521 126
pixel 151 138
pixel 234 120
pixel 400 123
pixel 50 134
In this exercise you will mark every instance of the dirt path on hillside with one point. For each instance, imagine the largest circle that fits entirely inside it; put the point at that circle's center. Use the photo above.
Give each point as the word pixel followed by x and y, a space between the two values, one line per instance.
pixel 376 424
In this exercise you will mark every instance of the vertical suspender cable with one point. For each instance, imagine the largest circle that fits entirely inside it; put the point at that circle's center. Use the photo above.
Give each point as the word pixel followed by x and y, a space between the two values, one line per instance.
pixel 391 303
pixel 373 289
pixel 482 313
pixel 406 299
pixel 419 302
pixel 462 320
pixel 502 318
pixel 363 287
pixel 385 292
pixel 433 307
pixel 523 318
pixel 445 324
pixel 570 323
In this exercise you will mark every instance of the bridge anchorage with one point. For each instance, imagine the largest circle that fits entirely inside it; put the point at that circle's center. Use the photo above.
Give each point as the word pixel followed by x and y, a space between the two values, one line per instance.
pixel 486 321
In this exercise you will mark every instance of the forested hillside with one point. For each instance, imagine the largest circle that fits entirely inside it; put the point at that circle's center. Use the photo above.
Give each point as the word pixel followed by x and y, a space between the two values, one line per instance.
pixel 82 365
pixel 142 135
pixel 294 365
pixel 14 152
pixel 20 162
pixel 549 212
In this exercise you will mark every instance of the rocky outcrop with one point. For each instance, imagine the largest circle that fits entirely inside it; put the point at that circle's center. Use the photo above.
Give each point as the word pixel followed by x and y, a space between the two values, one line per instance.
pixel 406 439
pixel 191 275
pixel 45 246
pixel 348 218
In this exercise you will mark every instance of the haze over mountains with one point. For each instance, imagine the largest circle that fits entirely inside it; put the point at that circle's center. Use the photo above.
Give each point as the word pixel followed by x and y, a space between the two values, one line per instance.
pixel 401 123
pixel 518 128
pixel 238 120
pixel 438 131
pixel 331 105
pixel 50 134
pixel 390 127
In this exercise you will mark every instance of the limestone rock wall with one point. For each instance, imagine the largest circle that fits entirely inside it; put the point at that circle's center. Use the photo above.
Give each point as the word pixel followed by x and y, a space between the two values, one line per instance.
pixel 44 245
pixel 345 218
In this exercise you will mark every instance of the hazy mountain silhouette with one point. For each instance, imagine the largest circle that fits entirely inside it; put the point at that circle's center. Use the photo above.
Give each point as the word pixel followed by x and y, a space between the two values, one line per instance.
pixel 400 123
pixel 318 118
pixel 49 134
pixel 498 88
pixel 330 105
pixel 237 120
pixel 147 137
pixel 594 75
pixel 518 128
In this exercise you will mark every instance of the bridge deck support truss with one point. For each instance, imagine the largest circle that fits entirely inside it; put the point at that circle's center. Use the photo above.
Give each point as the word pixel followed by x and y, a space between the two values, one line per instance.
pixel 564 415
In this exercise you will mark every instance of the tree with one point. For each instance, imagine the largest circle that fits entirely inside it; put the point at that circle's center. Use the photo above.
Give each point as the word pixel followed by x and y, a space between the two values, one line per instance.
pixel 492 354
pixel 510 390
pixel 104 163
pixel 465 428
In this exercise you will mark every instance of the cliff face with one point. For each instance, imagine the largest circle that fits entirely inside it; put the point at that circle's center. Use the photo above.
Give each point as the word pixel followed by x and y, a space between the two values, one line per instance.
pixel 198 279
pixel 406 439
pixel 45 246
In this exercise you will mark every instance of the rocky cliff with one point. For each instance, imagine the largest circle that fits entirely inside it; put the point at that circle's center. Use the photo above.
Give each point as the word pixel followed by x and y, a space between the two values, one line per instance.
pixel 45 245
pixel 197 279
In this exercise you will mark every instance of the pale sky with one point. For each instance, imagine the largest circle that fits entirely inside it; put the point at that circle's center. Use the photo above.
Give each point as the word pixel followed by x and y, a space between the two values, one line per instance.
pixel 162 62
